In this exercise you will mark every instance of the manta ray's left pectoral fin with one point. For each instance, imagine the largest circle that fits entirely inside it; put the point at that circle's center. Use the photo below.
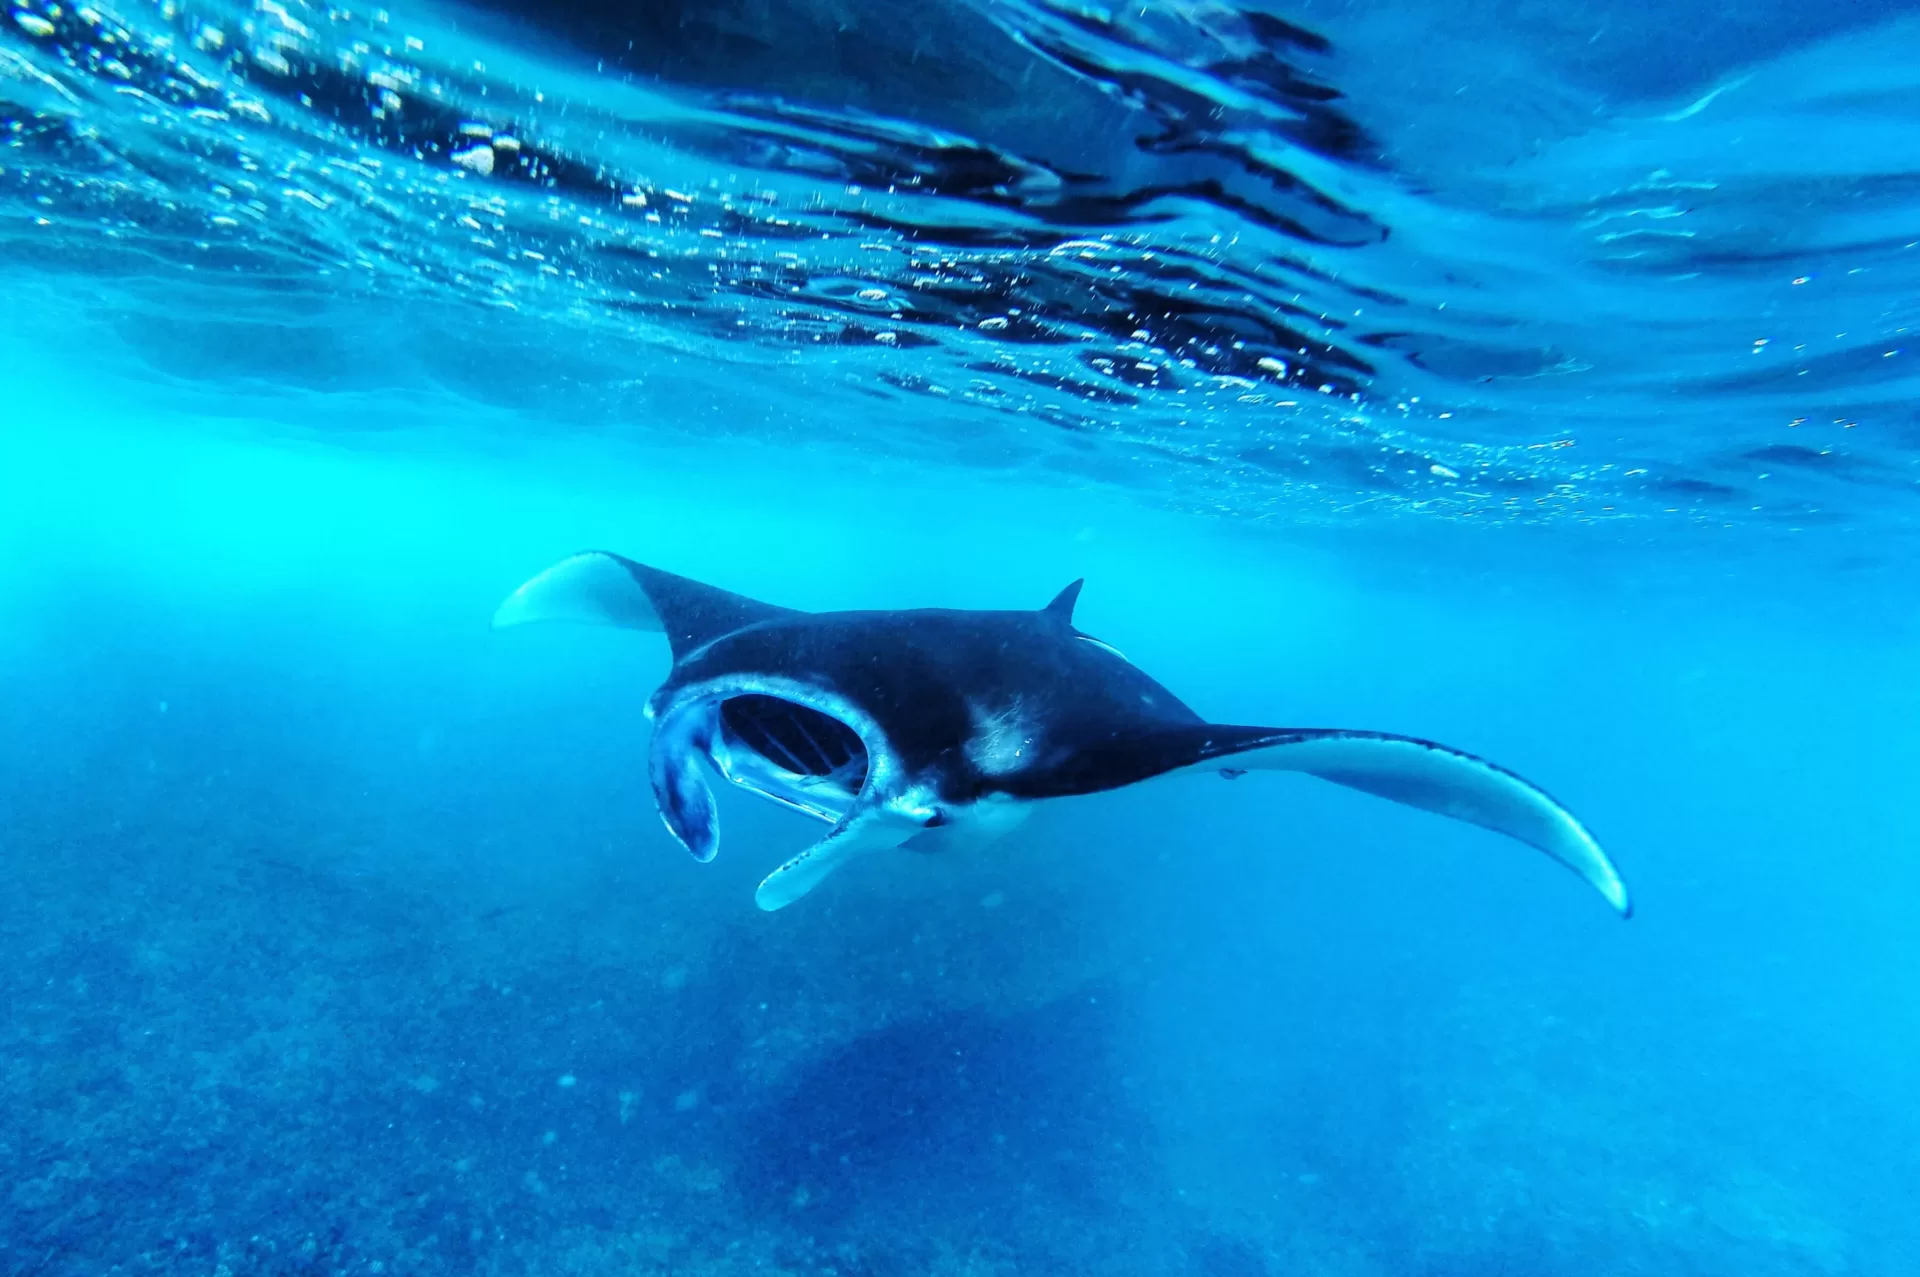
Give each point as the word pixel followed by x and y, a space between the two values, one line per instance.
pixel 597 588
pixel 867 827
pixel 1421 774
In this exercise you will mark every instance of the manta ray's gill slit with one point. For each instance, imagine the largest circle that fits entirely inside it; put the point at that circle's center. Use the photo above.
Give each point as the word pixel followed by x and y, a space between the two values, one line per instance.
pixel 803 741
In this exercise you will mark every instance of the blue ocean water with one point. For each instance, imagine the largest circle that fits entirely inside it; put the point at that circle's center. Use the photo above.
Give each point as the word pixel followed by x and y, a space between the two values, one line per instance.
pixel 1531 377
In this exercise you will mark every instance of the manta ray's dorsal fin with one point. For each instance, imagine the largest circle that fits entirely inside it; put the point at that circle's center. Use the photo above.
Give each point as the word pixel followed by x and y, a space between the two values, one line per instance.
pixel 597 588
pixel 1061 609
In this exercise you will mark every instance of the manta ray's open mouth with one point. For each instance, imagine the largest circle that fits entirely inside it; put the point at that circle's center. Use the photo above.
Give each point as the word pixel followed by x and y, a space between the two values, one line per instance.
pixel 791 752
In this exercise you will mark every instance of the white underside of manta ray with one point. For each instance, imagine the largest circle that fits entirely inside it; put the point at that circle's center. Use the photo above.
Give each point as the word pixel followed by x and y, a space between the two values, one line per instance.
pixel 942 727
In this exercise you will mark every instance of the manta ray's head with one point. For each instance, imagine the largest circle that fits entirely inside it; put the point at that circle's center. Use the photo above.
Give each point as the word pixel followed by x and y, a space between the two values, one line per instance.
pixel 801 745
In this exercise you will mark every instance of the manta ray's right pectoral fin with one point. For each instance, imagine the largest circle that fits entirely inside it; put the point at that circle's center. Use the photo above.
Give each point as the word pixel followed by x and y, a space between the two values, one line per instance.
pixel 1419 773
pixel 868 827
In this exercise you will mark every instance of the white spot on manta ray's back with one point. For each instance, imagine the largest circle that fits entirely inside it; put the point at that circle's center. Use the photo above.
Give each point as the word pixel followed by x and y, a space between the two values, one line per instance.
pixel 1002 739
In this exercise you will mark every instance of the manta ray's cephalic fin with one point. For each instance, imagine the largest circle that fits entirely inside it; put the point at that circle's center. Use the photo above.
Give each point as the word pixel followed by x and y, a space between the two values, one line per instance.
pixel 868 827
pixel 598 588
pixel 676 766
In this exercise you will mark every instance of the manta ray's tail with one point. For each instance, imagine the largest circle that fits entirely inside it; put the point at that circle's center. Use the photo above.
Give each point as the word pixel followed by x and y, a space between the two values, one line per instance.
pixel 598 588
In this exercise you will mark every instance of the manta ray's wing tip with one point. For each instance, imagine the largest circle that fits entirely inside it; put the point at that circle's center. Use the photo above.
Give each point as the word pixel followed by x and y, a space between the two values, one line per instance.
pixel 591 587
pixel 510 613
pixel 1598 869
pixel 1616 894
pixel 1566 840
pixel 1612 888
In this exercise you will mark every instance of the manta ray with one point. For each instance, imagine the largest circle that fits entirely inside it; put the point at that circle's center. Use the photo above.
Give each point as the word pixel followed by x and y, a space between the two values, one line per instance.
pixel 940 727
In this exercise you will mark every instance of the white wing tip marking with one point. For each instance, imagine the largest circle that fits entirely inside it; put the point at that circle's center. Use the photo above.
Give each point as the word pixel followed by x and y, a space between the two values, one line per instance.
pixel 591 587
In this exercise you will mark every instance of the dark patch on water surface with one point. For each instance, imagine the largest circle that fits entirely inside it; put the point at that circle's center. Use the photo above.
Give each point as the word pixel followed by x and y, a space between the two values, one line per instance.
pixel 1698 488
